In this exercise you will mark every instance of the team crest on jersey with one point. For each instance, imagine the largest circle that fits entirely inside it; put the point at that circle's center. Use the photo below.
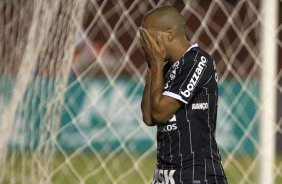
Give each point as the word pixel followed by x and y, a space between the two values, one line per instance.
pixel 172 119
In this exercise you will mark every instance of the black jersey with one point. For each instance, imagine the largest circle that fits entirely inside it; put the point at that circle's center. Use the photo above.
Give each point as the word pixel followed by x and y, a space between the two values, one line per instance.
pixel 187 151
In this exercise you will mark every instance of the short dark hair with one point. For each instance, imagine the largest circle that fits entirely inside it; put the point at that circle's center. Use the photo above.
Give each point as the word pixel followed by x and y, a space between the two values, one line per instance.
pixel 164 18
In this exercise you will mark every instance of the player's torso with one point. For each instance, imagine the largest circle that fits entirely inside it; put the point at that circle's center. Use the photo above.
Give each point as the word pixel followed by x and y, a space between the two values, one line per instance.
pixel 188 136
pixel 186 146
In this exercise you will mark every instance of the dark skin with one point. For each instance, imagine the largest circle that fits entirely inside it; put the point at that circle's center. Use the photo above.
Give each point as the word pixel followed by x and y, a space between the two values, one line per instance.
pixel 159 46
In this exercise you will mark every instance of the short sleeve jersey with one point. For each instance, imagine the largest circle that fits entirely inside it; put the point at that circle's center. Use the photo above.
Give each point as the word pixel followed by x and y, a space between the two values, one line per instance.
pixel 187 139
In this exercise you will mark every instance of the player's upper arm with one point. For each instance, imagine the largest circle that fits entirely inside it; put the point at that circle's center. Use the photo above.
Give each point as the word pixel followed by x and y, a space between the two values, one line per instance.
pixel 167 106
pixel 186 77
pixel 189 76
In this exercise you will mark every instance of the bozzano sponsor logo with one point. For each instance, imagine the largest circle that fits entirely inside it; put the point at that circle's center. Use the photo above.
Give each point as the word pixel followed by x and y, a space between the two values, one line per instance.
pixel 195 77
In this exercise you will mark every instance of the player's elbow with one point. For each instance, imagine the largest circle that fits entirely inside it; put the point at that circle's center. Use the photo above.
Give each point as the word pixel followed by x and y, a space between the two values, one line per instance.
pixel 148 121
pixel 159 118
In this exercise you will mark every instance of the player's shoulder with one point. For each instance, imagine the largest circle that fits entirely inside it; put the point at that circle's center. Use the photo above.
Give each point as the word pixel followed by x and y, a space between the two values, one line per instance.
pixel 194 55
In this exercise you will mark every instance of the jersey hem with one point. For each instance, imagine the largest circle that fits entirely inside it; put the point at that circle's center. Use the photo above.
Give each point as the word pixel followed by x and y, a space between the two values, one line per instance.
pixel 175 96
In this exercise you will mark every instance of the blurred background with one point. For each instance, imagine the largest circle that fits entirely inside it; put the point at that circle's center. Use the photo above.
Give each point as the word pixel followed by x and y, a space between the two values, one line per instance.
pixel 73 74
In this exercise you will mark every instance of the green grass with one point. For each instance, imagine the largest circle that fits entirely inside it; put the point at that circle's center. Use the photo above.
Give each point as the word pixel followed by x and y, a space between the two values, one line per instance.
pixel 107 168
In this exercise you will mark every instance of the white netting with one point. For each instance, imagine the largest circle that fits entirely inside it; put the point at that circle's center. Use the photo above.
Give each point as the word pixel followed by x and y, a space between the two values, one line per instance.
pixel 38 40
pixel 72 78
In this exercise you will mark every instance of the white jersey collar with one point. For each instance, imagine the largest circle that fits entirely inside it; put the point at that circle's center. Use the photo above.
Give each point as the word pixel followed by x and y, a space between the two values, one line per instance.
pixel 191 47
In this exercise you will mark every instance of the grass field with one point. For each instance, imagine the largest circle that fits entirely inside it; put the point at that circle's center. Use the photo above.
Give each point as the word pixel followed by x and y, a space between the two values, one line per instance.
pixel 86 168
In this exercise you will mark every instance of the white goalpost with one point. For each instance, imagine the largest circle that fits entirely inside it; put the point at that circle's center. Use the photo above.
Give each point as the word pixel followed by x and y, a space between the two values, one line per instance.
pixel 72 76
pixel 269 14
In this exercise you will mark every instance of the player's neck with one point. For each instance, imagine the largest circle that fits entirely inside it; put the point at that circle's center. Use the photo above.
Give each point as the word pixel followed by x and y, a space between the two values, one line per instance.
pixel 179 50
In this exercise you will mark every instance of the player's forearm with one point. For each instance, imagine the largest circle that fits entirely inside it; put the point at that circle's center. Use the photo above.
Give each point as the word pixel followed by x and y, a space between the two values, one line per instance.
pixel 157 86
pixel 145 103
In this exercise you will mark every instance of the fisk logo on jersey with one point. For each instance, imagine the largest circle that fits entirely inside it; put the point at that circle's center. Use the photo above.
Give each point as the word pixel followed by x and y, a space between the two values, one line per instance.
pixel 195 77
pixel 163 177
pixel 200 106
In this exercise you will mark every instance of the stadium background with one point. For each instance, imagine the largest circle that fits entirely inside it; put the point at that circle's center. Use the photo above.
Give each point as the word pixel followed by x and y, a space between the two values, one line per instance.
pixel 101 137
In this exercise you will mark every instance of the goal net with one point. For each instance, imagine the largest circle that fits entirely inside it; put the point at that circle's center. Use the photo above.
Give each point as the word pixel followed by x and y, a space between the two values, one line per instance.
pixel 72 78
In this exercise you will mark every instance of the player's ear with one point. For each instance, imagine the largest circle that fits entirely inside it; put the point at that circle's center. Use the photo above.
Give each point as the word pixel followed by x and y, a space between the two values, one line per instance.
pixel 170 34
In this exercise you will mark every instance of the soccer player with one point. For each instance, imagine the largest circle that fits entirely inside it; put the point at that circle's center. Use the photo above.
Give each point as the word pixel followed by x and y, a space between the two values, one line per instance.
pixel 180 97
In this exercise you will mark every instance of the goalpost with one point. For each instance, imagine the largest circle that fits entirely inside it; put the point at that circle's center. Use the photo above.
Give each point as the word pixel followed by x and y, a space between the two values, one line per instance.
pixel 269 13
pixel 72 77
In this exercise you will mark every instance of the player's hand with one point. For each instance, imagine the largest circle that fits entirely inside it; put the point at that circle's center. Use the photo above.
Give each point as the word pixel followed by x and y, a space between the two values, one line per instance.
pixel 154 50
pixel 148 59
pixel 146 56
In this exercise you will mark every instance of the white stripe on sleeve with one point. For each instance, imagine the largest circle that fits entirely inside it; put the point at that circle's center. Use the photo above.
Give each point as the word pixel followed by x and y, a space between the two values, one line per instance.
pixel 175 96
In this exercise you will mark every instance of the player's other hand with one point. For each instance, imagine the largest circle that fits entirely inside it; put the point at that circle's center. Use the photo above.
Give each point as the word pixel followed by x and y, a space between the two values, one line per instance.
pixel 154 49
pixel 146 56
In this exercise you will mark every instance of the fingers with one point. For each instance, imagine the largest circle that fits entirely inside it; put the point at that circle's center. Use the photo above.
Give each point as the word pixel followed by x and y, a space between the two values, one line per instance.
pixel 160 41
pixel 144 40
pixel 154 48
pixel 149 38
pixel 144 45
